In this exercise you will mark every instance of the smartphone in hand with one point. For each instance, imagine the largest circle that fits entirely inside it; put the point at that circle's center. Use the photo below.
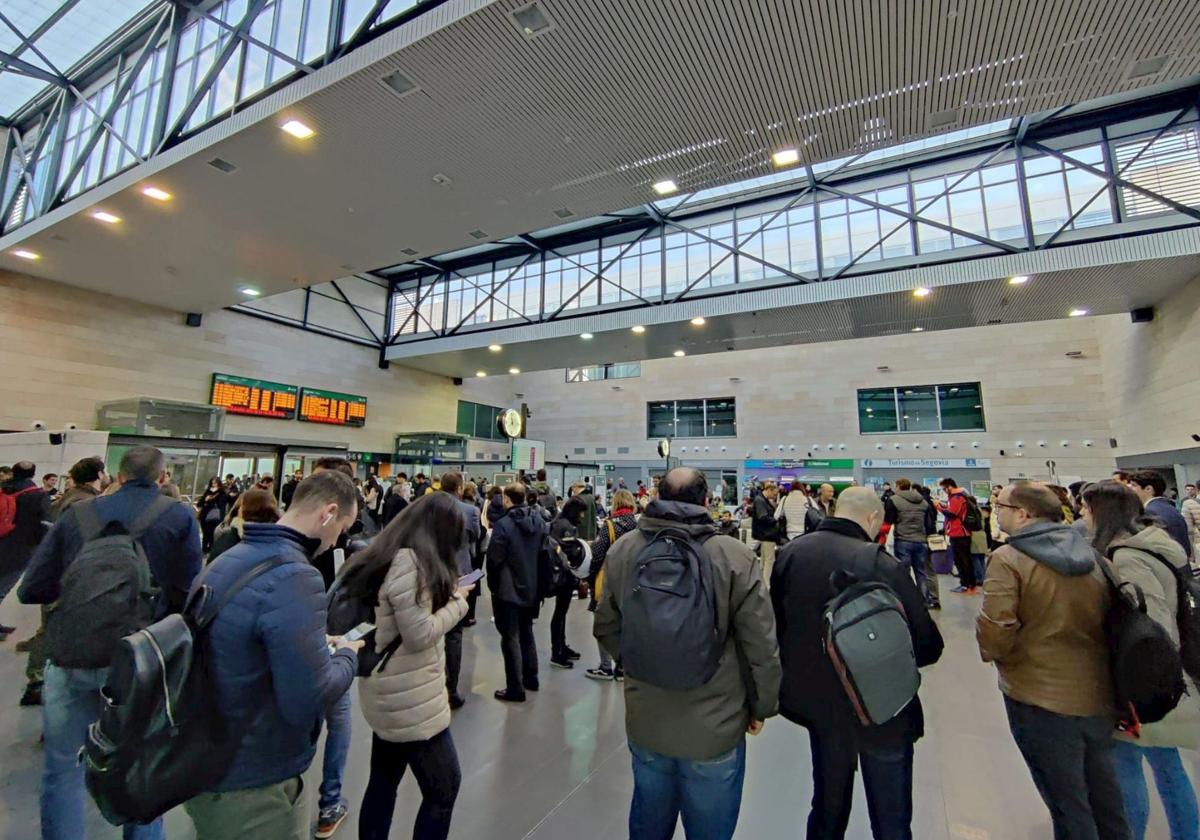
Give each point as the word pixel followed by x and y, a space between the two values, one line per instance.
pixel 468 579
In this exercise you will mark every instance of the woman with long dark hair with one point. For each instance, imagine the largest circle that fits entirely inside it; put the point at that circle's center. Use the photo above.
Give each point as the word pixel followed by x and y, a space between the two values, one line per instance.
pixel 1141 549
pixel 410 571
pixel 213 505
pixel 565 526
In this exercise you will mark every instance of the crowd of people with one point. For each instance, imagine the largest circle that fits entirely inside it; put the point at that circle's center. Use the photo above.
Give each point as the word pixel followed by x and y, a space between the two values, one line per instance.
pixel 707 615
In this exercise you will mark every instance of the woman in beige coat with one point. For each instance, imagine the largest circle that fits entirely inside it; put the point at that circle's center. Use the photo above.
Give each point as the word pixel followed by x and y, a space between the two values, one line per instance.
pixel 411 565
pixel 1141 551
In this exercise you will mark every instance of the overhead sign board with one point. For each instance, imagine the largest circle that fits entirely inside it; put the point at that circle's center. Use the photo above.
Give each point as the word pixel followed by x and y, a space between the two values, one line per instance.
pixel 809 464
pixel 333 408
pixel 254 397
pixel 927 463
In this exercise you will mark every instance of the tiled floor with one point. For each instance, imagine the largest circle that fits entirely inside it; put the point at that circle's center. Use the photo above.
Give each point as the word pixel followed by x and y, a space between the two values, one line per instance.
pixel 557 767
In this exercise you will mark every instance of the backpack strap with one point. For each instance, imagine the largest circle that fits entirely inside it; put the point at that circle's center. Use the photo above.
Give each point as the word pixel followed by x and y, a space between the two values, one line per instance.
pixel 386 655
pixel 146 519
pixel 203 590
pixel 90 525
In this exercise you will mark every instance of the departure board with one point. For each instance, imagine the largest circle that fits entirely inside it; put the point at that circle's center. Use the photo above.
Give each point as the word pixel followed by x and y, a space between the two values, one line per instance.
pixel 255 397
pixel 332 407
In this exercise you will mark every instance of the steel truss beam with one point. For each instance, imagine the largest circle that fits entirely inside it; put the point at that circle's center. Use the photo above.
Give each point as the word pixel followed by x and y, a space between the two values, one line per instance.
pixel 194 7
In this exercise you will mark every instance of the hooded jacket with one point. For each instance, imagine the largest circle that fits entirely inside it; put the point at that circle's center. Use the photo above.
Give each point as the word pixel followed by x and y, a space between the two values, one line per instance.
pixel 911 516
pixel 512 559
pixel 1136 563
pixel 699 723
pixel 1042 623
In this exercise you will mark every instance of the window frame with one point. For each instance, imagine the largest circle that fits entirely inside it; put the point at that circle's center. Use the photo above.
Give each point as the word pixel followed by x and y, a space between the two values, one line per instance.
pixel 938 389
pixel 705 425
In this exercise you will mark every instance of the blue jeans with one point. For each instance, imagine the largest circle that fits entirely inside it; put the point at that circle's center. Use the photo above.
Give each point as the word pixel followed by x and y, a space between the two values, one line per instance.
pixel 337 747
pixel 1174 789
pixel 70 703
pixel 707 793
pixel 915 556
pixel 980 563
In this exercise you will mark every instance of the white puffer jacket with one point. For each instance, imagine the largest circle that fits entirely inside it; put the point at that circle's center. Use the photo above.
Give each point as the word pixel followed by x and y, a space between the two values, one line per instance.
pixel 408 701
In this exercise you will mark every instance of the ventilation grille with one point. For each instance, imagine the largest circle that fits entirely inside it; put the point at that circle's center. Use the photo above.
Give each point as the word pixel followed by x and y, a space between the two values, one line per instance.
pixel 579 450
pixel 222 165
pixel 409 252
pixel 532 20
pixel 601 450
pixel 399 84
pixel 564 212
pixel 941 120
pixel 1147 67
pixel 622 450
pixel 478 234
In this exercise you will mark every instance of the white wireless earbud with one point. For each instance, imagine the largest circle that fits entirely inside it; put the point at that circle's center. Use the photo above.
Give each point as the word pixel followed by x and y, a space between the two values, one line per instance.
pixel 328 518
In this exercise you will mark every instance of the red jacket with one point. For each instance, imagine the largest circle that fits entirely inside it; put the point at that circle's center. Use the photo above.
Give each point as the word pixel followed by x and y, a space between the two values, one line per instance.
pixel 956 510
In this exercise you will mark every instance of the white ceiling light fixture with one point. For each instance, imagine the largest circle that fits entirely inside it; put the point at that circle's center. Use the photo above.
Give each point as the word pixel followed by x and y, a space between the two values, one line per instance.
pixel 918 329
pixel 26 254
pixel 481 373
pixel 249 291
pixel 586 336
pixel 297 129
pixel 639 329
pixel 156 193
pixel 1019 280
pixel 679 354
pixel 785 157
pixel 495 348
pixel 666 186
pixel 514 371
pixel 698 321
pixel 1078 313
pixel 106 217
pixel 922 292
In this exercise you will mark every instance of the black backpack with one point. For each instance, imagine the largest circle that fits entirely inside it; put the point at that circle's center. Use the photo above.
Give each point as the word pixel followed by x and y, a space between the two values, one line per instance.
pixel 670 634
pixel 345 612
pixel 1146 667
pixel 1187 616
pixel 161 738
pixel 554 573
pixel 973 518
pixel 107 591
pixel 549 502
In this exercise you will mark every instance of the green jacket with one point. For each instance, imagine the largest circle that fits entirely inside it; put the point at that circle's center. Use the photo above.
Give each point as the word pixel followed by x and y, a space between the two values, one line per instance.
pixel 704 722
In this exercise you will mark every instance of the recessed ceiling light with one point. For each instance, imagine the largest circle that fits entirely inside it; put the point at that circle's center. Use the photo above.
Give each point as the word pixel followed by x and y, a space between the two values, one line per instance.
pixel 1078 313
pixel 495 348
pixel 639 329
pixel 26 255
pixel 697 321
pixel 250 291
pixel 785 157
pixel 514 371
pixel 481 373
pixel 921 292
pixel 918 329
pixel 665 187
pixel 156 193
pixel 679 354
pixel 1019 280
pixel 586 336
pixel 298 129
pixel 106 217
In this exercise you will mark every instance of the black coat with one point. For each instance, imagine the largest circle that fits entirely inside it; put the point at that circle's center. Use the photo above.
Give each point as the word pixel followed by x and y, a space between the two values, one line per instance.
pixel 811 694
pixel 29 524
pixel 513 555
pixel 764 526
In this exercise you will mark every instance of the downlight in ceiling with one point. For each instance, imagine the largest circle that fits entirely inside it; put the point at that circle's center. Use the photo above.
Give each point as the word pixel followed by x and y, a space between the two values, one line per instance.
pixel 222 165
pixel 1147 67
pixel 399 84
pixel 532 20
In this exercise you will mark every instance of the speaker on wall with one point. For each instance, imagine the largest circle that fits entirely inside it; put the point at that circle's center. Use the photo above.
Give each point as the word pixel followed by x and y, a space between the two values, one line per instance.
pixel 192 319
pixel 1142 315
pixel 458 380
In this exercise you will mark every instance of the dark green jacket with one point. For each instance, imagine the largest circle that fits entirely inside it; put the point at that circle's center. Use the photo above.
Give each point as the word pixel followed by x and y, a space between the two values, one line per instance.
pixel 704 722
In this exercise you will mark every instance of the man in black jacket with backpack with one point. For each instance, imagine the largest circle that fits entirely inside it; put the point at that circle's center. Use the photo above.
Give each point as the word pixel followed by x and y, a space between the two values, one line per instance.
pixel 78 668
pixel 812 694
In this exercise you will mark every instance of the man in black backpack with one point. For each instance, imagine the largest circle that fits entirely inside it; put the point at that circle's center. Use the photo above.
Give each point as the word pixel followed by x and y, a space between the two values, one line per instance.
pixel 169 536
pixel 689 745
pixel 813 695
pixel 24 508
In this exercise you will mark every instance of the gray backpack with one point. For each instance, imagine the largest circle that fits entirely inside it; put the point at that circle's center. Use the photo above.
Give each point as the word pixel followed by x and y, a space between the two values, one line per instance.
pixel 868 640
pixel 670 635
pixel 107 591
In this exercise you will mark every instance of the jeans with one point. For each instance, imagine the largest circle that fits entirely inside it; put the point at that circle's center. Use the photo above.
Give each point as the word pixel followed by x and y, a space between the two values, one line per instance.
pixel 558 623
pixel 454 640
pixel 1174 789
pixel 270 812
pixel 72 702
pixel 517 645
pixel 1070 759
pixel 960 547
pixel 434 763
pixel 979 564
pixel 887 779
pixel 606 661
pixel 338 722
pixel 707 793
pixel 915 555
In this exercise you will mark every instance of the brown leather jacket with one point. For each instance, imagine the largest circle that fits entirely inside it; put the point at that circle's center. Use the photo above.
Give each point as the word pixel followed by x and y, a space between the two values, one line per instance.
pixel 1042 622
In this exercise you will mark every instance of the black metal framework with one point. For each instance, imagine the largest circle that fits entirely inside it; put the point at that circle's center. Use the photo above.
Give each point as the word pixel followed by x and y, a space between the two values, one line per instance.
pixel 42 164
pixel 1061 178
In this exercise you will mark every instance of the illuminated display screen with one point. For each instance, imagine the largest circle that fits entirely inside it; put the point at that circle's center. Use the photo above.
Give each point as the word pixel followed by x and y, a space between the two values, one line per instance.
pixel 255 397
pixel 332 407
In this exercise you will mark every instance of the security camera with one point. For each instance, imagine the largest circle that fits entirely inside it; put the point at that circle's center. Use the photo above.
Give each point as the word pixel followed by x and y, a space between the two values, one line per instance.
pixel 38 425
pixel 916 446
pixel 1041 444
pixel 879 446
pixel 1020 444
pixel 766 448
pixel 1089 443
pixel 841 447
pixel 896 445
pixel 975 444
pixel 1064 443
pixel 72 427
pixel 951 445
pixel 933 445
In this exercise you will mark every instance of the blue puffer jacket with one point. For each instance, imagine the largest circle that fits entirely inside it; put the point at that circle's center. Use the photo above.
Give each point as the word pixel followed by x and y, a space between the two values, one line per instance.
pixel 273 670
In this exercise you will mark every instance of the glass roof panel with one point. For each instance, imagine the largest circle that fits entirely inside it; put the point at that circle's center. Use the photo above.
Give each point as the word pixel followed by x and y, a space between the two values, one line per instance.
pixel 65 32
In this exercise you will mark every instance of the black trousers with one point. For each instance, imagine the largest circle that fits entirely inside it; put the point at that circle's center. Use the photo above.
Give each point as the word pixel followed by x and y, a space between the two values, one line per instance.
pixel 1070 759
pixel 558 622
pixel 454 642
pixel 887 780
pixel 960 547
pixel 517 645
pixel 434 763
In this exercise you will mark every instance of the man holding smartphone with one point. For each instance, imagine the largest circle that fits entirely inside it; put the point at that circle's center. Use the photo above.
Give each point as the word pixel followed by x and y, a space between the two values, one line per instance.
pixel 452 483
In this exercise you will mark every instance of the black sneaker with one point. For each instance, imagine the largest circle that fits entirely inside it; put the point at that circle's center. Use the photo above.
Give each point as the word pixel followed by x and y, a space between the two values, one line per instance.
pixel 562 662
pixel 619 674
pixel 532 685
pixel 504 696
pixel 456 702
pixel 599 674
pixel 934 605
pixel 572 654
pixel 32 695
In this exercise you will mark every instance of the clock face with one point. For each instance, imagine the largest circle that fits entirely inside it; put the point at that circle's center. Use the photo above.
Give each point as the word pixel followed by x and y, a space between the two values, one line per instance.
pixel 510 423
pixel 664 448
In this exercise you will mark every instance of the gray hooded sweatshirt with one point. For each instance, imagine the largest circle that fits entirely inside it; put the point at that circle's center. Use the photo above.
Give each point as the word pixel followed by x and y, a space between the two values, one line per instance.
pixel 1058 546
